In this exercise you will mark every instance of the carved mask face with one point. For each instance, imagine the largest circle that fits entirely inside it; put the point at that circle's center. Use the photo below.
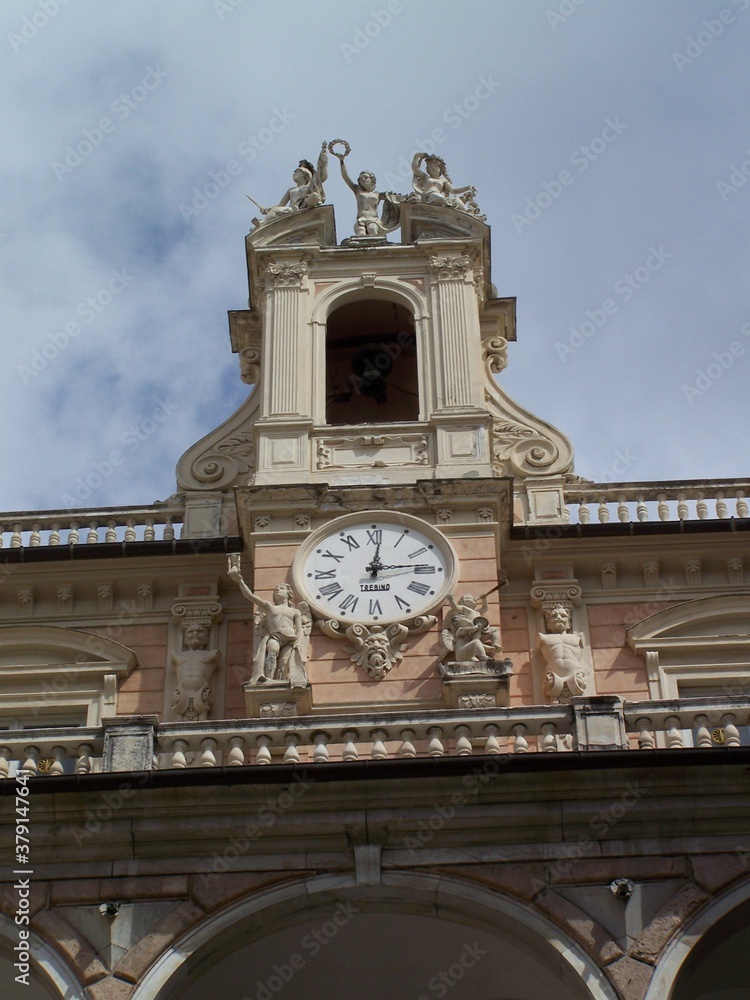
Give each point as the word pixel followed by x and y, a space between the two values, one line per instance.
pixel 557 620
pixel 196 638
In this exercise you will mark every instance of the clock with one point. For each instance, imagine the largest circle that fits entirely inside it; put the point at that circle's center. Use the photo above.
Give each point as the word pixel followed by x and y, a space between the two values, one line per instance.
pixel 375 567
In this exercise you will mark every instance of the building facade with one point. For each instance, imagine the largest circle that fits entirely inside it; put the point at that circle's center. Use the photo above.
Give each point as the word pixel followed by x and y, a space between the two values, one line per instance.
pixel 384 700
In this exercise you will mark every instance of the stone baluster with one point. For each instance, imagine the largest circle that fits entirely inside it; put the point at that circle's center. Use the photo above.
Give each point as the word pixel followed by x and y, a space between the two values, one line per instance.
pixel 603 512
pixel 584 515
pixel 407 748
pixel 35 538
pixel 236 756
pixel 73 536
pixel 54 535
pixel 701 507
pixel 168 535
pixel 641 510
pixel 674 732
pixel 85 752
pixel 682 507
pixel 350 751
pixel 646 739
pixel 662 508
pixel 263 756
pixel 5 758
pixel 16 540
pixel 731 732
pixel 520 743
pixel 93 534
pixel 379 751
pixel 463 743
pixel 179 760
pixel 435 747
pixel 130 535
pixel 291 754
pixel 208 757
pixel 149 534
pixel 721 506
pixel 30 766
pixel 702 735
pixel 111 533
pixel 742 510
pixel 320 753
pixel 623 514
pixel 549 738
pixel 56 767
pixel 491 744
pixel 2 531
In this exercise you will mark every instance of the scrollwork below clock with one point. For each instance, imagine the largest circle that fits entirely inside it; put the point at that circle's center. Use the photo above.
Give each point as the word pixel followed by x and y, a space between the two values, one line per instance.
pixel 375 567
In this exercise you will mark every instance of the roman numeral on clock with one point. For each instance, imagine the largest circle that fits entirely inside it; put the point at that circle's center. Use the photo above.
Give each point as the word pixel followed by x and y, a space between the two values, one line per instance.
pixel 374 537
pixel 329 574
pixel 375 608
pixel 349 602
pixel 331 590
pixel 418 588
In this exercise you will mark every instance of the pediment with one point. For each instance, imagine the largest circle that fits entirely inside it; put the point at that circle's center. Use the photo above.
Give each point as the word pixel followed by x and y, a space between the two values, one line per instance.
pixel 722 620
pixel 37 648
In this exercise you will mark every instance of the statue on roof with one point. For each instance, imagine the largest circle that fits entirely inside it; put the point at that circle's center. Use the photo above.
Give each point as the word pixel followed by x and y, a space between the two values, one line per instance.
pixel 307 191
pixel 433 186
pixel 368 223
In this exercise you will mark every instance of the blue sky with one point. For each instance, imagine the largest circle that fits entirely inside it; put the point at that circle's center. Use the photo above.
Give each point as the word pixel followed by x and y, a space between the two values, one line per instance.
pixel 609 143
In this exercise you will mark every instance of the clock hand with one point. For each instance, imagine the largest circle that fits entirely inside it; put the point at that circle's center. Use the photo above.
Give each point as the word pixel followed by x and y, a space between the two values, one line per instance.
pixel 405 566
pixel 376 564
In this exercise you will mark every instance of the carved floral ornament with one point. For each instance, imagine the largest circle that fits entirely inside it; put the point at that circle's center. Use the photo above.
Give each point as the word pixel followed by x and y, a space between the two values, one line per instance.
pixel 233 457
pixel 377 648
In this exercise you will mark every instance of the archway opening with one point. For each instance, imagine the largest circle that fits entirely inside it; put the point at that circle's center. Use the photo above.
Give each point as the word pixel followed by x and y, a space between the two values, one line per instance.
pixel 718 967
pixel 371 364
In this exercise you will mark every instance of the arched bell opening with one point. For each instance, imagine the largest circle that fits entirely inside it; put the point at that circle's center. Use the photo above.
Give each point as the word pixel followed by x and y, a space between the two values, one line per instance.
pixel 371 364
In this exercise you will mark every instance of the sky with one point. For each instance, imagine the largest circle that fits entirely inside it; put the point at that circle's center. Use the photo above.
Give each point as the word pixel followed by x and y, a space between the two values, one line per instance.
pixel 609 142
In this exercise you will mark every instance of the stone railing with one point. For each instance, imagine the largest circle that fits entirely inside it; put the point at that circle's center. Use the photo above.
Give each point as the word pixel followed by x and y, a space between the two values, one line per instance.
pixel 588 724
pixel 698 500
pixel 159 522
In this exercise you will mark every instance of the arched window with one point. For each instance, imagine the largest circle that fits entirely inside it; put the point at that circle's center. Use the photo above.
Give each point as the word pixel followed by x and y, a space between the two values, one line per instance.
pixel 371 364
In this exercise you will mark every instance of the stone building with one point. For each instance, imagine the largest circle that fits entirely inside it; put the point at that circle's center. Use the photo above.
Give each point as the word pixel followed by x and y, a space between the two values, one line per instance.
pixel 384 700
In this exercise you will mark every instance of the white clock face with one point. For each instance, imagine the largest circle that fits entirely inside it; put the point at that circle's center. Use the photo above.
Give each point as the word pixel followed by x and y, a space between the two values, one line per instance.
pixel 375 568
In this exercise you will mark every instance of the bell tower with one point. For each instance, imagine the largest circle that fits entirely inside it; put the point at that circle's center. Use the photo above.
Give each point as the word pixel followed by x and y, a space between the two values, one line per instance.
pixel 376 457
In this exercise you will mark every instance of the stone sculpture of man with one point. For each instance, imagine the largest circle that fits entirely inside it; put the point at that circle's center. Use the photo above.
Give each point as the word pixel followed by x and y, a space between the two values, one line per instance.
pixel 307 191
pixel 283 629
pixel 562 651
pixel 194 667
pixel 433 186
pixel 369 223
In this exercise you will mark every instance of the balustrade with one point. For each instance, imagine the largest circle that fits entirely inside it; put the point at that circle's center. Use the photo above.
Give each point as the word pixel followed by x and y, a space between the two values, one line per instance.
pixel 91 527
pixel 651 725
pixel 700 500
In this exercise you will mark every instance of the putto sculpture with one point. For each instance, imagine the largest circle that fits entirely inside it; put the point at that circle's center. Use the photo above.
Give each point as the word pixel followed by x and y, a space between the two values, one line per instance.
pixel 469 637
pixel 283 630
pixel 562 651
pixel 368 223
pixel 433 186
pixel 307 191
pixel 194 667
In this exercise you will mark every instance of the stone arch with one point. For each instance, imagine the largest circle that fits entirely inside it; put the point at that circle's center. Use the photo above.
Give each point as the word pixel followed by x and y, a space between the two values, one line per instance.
pixel 695 943
pixel 49 976
pixel 498 926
